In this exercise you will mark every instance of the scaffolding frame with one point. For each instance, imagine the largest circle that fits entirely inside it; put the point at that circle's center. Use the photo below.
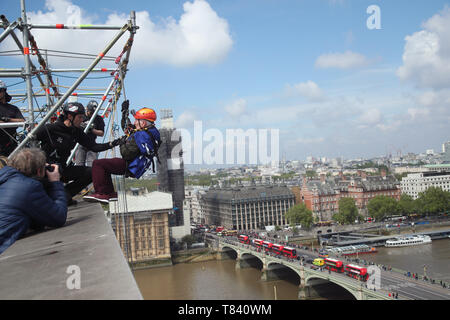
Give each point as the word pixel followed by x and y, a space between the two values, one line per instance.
pixel 55 100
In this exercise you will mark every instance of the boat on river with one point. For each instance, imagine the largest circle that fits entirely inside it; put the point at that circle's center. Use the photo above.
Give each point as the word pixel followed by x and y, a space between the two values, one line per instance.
pixel 408 241
pixel 353 250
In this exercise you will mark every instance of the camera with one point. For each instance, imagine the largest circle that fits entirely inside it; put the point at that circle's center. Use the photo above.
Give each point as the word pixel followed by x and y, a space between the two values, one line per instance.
pixel 49 168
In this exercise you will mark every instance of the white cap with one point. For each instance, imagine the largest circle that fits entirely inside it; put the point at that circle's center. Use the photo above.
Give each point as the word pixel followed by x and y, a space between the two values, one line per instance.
pixel 2 85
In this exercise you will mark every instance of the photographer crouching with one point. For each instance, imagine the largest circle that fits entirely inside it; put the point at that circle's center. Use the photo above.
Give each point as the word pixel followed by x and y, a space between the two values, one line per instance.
pixel 24 203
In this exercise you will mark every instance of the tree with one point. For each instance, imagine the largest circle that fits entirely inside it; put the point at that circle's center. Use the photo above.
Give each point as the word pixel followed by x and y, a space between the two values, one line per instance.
pixel 348 212
pixel 188 239
pixel 407 204
pixel 300 214
pixel 382 206
pixel 434 200
pixel 311 173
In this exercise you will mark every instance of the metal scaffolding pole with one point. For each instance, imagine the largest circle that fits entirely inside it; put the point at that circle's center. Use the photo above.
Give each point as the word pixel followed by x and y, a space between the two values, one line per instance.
pixel 91 120
pixel 77 27
pixel 8 30
pixel 26 55
pixel 88 94
pixel 17 70
pixel 31 135
pixel 21 48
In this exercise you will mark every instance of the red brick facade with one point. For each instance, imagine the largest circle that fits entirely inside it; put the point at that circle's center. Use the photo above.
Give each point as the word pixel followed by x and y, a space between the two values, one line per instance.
pixel 322 196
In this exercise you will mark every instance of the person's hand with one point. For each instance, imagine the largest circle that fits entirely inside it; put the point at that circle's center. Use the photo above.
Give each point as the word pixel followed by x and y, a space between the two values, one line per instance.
pixel 54 175
pixel 118 141
pixel 125 105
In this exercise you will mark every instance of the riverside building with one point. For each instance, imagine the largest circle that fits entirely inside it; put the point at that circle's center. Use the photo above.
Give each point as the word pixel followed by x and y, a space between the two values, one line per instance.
pixel 415 183
pixel 322 196
pixel 247 208
pixel 143 231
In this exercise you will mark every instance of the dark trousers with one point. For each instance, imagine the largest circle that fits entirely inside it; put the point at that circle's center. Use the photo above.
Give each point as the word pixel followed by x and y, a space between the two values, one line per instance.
pixel 80 177
pixel 101 173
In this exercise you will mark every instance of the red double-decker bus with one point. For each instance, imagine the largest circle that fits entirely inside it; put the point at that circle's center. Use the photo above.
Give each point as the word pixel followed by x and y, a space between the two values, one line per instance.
pixel 277 249
pixel 289 252
pixel 267 245
pixel 258 243
pixel 334 265
pixel 244 239
pixel 356 272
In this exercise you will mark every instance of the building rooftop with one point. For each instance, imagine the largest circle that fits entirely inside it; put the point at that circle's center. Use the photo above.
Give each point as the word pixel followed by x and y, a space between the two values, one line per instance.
pixel 255 192
pixel 35 267
pixel 335 185
pixel 153 201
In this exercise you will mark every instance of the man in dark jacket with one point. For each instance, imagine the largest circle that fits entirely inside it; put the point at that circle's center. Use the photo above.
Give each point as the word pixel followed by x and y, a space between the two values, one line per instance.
pixel 84 156
pixel 59 138
pixel 23 201
pixel 8 113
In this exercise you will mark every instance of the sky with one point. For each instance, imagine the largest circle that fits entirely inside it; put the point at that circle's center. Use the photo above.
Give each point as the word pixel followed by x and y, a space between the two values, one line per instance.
pixel 335 77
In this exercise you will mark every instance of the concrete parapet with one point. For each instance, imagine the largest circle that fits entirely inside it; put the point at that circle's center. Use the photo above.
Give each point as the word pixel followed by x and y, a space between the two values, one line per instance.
pixel 51 264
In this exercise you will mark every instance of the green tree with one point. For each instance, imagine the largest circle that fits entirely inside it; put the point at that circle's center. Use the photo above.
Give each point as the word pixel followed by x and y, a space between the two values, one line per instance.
pixel 300 214
pixel 188 239
pixel 348 212
pixel 433 201
pixel 311 173
pixel 382 206
pixel 407 204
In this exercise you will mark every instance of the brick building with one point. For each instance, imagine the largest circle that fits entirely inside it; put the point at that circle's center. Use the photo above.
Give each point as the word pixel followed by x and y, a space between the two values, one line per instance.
pixel 322 196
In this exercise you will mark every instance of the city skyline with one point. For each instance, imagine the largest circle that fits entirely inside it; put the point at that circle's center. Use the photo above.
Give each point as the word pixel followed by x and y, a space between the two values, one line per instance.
pixel 316 71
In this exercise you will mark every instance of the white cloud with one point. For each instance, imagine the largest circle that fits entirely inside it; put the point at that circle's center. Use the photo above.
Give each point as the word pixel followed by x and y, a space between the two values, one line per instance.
pixel 426 56
pixel 237 108
pixel 186 120
pixel 309 90
pixel 371 117
pixel 417 112
pixel 310 140
pixel 346 60
pixel 200 36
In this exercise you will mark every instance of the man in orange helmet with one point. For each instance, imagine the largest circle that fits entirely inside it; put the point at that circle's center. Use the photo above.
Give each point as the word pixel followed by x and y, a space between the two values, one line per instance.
pixel 137 151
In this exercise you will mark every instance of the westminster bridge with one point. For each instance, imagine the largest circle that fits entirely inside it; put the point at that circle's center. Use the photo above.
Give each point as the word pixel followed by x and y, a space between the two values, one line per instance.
pixel 311 276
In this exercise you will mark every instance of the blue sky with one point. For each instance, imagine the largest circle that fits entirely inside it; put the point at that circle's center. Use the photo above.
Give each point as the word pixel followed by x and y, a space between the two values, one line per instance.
pixel 311 69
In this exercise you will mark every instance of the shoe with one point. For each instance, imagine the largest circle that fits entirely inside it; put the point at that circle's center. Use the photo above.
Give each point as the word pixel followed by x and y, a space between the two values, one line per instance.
pixel 113 196
pixel 97 197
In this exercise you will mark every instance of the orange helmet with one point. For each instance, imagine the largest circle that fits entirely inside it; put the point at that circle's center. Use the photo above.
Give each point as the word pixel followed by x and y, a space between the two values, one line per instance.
pixel 146 114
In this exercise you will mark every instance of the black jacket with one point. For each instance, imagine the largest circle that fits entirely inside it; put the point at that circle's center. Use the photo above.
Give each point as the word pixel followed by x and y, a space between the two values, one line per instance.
pixel 58 140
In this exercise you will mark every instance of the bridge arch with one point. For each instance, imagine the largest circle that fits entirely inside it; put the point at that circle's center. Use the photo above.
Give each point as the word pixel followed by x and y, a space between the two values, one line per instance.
pixel 230 251
pixel 281 270
pixel 318 281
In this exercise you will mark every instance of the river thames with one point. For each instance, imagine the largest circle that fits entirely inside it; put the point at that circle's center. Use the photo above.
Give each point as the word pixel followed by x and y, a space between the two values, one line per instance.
pixel 220 280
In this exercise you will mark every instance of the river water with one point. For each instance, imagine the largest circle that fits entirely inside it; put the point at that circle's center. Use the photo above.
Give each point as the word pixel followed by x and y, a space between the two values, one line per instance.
pixel 220 280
